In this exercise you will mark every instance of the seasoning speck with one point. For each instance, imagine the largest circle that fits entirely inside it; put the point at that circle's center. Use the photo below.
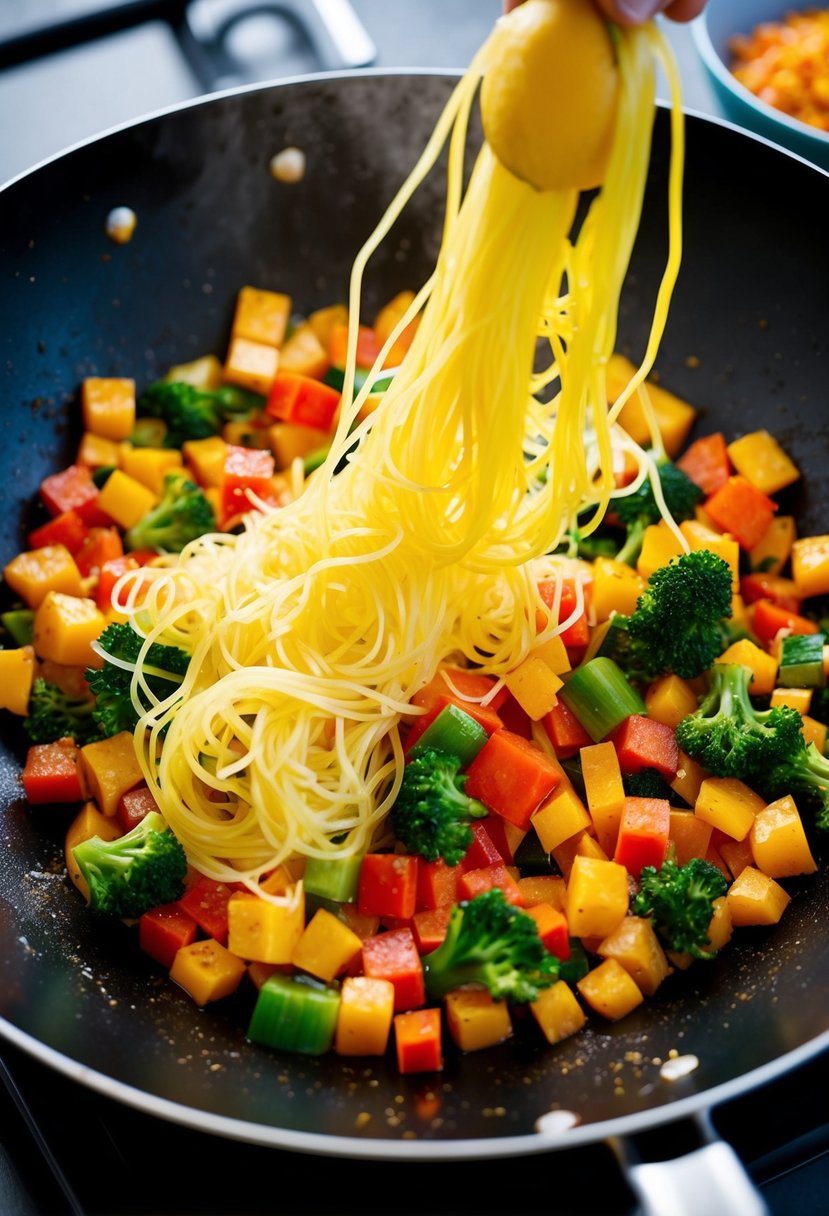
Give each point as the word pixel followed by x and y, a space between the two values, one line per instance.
pixel 678 1067
pixel 120 224
pixel 288 165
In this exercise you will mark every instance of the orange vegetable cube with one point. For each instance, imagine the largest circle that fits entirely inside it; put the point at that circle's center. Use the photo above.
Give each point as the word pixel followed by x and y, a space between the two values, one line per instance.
pixel 108 405
pixel 729 805
pixel 597 897
pixel 720 929
pixel 292 440
pixel 705 536
pixel 88 822
pixel 764 666
pixel 261 316
pixel 554 654
pixel 616 588
pixel 207 970
pixel 534 686
pixel 365 1016
pixel 689 777
pixel 543 889
pixel 659 545
pixel 36 572
pixel 96 452
pixel 634 944
pixel 64 627
pixel 206 459
pixel 604 791
pixel 669 699
pixel 418 1040
pixel 610 990
pixel 326 946
pixel 799 699
pixel 260 930
pixel 303 353
pixel 476 1020
pixel 778 841
pixel 150 466
pixel 558 1012
pixel 109 769
pixel 737 854
pixel 689 835
pixel 125 499
pixel 560 817
pixel 324 320
pixel 756 899
pixel 673 416
pixel 251 365
pixel 771 553
pixel 810 565
pixel 17 673
pixel 763 462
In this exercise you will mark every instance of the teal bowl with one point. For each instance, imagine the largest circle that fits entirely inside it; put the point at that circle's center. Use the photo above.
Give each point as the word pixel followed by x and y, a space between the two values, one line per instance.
pixel 712 32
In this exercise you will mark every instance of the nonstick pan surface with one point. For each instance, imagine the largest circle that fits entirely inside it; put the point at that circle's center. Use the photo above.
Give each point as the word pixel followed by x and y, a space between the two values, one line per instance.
pixel 746 343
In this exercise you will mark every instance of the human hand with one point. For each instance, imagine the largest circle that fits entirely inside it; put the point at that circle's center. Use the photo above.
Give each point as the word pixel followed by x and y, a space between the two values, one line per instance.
pixel 634 12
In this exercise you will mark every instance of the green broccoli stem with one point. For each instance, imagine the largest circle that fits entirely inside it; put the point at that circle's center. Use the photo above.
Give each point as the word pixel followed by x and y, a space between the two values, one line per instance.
pixel 632 547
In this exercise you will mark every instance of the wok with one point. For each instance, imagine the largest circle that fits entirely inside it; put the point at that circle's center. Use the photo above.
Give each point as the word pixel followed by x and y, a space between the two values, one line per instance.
pixel 746 342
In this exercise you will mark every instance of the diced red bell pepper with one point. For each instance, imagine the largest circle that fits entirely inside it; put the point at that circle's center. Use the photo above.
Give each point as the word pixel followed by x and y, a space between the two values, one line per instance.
pixel 706 462
pixel 429 928
pixel 134 805
pixel 206 901
pixel 781 591
pixel 515 718
pixel 511 776
pixel 496 830
pixel 103 544
pixel 164 930
pixel 476 882
pixel 67 529
pixel 642 742
pixel 368 347
pixel 393 956
pixel 552 929
pixel 740 508
pixel 483 851
pixel 564 731
pixel 388 885
pixel 51 773
pixel 73 489
pixel 437 885
pixel 767 619
pixel 246 470
pixel 303 400
pixel 577 634
pixel 644 834
pixel 418 1041
pixel 111 571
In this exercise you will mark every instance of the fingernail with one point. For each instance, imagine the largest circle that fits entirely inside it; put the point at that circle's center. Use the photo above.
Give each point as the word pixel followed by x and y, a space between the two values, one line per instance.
pixel 634 12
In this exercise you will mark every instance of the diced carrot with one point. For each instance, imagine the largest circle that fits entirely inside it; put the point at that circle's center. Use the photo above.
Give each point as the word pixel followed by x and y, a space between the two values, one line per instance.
pixel 768 618
pixel 388 885
pixel 301 399
pixel 643 834
pixel 552 929
pixel 393 956
pixel 206 901
pixel 164 930
pixel 511 776
pixel 564 731
pixel 51 773
pixel 66 529
pixel 706 462
pixel 368 347
pixel 476 882
pixel 740 508
pixel 642 742
pixel 690 835
pixel 418 1041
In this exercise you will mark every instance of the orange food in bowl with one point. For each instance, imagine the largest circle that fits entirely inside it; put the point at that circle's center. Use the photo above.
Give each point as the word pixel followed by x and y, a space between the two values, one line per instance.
pixel 786 64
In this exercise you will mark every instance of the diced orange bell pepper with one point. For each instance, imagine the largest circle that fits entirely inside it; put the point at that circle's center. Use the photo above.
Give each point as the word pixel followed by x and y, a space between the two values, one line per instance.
pixel 740 508
pixel 706 462
pixel 511 776
pixel 418 1041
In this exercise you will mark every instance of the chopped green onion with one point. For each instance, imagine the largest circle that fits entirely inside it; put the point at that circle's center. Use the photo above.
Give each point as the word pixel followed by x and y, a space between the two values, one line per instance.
pixel 600 696
pixel 454 732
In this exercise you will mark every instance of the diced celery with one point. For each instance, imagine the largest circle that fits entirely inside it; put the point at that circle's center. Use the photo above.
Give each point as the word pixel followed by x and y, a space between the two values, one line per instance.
pixel 335 878
pixel 295 1013
pixel 801 661
pixel 455 732
pixel 600 696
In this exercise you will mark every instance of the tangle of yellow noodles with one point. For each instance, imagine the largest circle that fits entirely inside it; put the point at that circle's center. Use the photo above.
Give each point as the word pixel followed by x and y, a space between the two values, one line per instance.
pixel 311 630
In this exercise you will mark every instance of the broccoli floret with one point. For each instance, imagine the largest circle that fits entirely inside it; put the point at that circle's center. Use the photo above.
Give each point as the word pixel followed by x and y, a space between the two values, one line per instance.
pixel 492 943
pixel 804 773
pixel 677 624
pixel 135 872
pixel 182 514
pixel 55 714
pixel 431 813
pixel 195 413
pixel 164 667
pixel 639 510
pixel 680 901
pixel 729 736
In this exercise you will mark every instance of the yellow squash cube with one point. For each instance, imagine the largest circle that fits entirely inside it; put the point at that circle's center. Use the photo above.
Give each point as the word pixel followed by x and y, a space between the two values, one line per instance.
pixel 543 889
pixel 88 822
pixel 814 732
pixel 534 685
pixel 604 791
pixel 810 565
pixel 558 1012
pixel 756 899
pixel 207 971
pixel 659 546
pixel 597 897
pixel 799 699
pixel 261 316
pixel 689 778
pixel 206 459
pixel 290 441
pixel 560 817
pixel 108 405
pixel 125 499
pixel 262 931
pixel 669 699
pixel 700 536
pixel 476 1020
pixel 772 552
pixel 673 416
pixel 634 944
pixel 96 452
pixel 204 372
pixel 35 572
pixel 251 365
pixel 304 354
pixel 554 653
pixel 365 1016
pixel 64 628
pixel 720 929
pixel 150 465
pixel 17 673
pixel 610 991
pixel 728 805
pixel 616 588
pixel 110 768
pixel 326 946
pixel 761 460
pixel 764 666
pixel 778 841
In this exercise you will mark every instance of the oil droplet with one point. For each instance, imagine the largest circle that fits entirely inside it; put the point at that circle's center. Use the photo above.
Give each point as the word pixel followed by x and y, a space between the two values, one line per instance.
pixel 557 1121
pixel 288 165
pixel 678 1067
pixel 120 224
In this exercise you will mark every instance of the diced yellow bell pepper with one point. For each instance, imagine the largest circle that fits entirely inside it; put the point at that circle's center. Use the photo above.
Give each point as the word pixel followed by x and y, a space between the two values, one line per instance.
pixel 610 991
pixel 702 536
pixel 720 928
pixel 561 816
pixel 674 417
pixel 543 889
pixel 110 768
pixel 659 546
pixel 35 572
pixel 304 354
pixel 17 673
pixel 810 565
pixel 207 970
pixel 261 316
pixel 108 405
pixel 616 588
pixel 689 835
pixel 251 365
pixel 553 652
pixel 97 452
pixel 669 699
pixel 778 841
pixel 764 666
pixel 689 778
pixel 799 699
pixel 737 854
pixel 88 822
pixel 476 1020
pixel 634 944
pixel 391 313
pixel 65 627
pixel 365 1016
pixel 597 897
pixel 558 1012
pixel 534 686
pixel 771 553
pixel 756 899
pixel 206 458
pixel 728 805
pixel 814 732
pixel 150 465
pixel 262 931
pixel 604 791
pixel 324 320
pixel 290 441
pixel 125 499
pixel 204 372
pixel 588 846
pixel 326 946
pixel 759 457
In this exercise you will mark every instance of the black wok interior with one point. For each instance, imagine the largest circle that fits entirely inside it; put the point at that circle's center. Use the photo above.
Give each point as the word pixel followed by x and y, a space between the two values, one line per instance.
pixel 746 342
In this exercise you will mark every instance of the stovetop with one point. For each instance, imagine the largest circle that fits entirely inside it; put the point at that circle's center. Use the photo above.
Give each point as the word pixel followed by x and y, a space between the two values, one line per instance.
pixel 69 69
